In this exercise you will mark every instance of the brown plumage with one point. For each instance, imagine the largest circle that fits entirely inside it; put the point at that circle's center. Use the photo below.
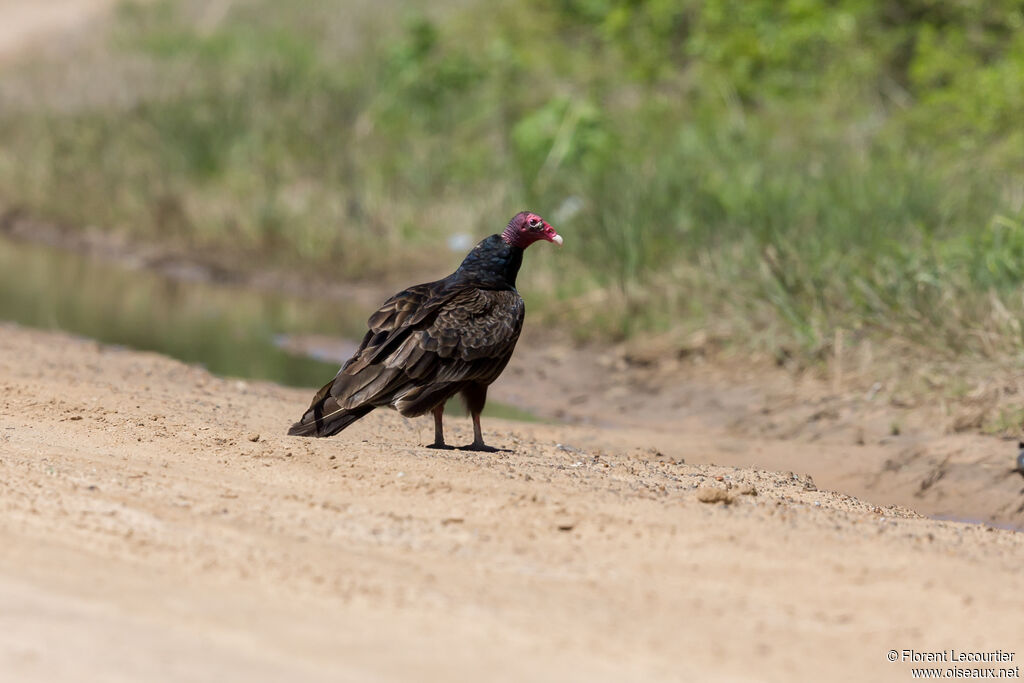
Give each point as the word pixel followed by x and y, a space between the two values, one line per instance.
pixel 435 340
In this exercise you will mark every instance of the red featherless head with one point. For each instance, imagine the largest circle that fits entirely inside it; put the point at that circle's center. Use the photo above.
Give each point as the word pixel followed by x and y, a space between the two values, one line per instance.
pixel 525 228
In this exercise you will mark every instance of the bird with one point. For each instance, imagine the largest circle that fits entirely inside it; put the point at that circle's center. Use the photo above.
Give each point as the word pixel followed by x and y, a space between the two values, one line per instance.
pixel 434 340
pixel 1020 460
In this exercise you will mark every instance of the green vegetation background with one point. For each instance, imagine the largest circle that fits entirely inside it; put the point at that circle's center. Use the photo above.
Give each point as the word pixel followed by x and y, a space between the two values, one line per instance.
pixel 767 171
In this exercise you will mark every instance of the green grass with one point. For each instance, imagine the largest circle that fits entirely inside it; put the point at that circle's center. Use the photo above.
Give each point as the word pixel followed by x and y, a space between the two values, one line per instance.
pixel 766 172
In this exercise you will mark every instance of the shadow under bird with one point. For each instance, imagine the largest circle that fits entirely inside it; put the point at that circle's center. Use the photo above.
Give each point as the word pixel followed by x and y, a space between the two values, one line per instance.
pixel 435 340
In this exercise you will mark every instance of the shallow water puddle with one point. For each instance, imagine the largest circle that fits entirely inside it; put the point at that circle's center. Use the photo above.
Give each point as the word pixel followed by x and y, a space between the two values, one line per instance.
pixel 978 522
pixel 227 329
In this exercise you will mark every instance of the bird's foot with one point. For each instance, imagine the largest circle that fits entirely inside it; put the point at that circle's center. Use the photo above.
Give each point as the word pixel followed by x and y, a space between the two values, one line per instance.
pixel 441 446
pixel 481 447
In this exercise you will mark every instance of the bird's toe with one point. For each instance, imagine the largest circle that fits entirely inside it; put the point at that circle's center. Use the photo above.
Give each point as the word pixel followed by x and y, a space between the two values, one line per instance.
pixel 483 448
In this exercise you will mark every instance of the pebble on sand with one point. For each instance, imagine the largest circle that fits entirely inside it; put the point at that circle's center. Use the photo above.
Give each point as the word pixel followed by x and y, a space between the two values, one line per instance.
pixel 714 494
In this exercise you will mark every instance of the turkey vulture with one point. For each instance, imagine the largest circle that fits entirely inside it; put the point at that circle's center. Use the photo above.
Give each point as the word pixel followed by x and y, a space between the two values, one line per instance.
pixel 432 341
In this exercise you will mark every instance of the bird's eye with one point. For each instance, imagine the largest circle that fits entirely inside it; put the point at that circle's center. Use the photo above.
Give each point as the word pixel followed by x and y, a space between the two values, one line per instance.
pixel 534 222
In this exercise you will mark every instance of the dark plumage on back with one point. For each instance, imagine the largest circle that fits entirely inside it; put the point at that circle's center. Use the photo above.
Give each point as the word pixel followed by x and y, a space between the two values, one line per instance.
pixel 435 340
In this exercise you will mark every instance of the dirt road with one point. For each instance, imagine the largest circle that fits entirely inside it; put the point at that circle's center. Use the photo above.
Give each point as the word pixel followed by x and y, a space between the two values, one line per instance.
pixel 148 534
pixel 870 439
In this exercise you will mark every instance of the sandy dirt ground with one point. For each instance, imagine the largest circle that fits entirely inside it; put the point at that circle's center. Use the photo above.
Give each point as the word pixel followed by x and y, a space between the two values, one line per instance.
pixel 156 524
pixel 868 438
pixel 29 24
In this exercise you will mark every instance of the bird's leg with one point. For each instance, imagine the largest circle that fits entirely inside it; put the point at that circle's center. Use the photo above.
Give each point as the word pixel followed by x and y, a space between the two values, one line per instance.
pixel 475 396
pixel 478 438
pixel 438 429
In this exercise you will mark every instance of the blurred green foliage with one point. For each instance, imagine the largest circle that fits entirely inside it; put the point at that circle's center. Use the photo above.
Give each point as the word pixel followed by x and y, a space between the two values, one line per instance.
pixel 766 170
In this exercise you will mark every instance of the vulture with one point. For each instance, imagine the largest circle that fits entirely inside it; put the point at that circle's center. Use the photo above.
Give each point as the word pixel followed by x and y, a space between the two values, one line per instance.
pixel 435 340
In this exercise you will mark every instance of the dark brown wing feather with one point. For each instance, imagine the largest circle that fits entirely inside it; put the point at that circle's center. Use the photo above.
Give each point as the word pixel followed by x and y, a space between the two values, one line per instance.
pixel 465 335
pixel 424 345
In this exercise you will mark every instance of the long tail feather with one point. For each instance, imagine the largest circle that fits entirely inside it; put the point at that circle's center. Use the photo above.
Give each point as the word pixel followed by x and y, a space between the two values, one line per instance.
pixel 315 423
pixel 325 417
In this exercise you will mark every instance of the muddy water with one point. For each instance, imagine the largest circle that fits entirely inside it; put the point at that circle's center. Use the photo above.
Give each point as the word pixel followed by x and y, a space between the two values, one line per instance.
pixel 230 330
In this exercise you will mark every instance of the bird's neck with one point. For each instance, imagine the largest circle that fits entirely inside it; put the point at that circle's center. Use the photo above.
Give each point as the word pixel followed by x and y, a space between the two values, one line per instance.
pixel 492 263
